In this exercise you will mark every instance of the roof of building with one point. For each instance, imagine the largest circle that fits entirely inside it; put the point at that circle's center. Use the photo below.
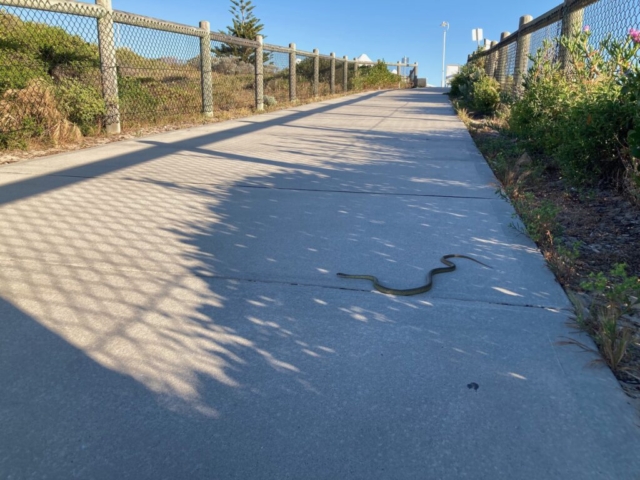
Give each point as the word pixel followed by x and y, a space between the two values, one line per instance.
pixel 364 58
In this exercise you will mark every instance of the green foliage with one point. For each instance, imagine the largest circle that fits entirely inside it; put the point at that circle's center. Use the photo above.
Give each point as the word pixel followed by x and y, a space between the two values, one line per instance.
pixel 18 68
pixel 135 92
pixel 477 60
pixel 244 25
pixel 632 166
pixel 569 252
pixel 475 90
pixel 618 288
pixel 127 58
pixel 304 69
pixel 462 82
pixel 82 103
pixel 592 129
pixel 540 221
pixel 634 139
pixel 562 260
pixel 536 117
pixel 32 50
pixel 615 295
pixel 485 95
pixel 602 322
pixel 49 84
pixel 583 115
pixel 376 76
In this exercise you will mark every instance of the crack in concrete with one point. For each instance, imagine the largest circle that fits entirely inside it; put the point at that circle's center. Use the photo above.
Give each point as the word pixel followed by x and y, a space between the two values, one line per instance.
pixel 263 187
pixel 363 290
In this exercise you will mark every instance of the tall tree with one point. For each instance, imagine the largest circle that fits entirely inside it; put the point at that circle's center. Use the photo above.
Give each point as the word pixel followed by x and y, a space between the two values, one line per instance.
pixel 245 25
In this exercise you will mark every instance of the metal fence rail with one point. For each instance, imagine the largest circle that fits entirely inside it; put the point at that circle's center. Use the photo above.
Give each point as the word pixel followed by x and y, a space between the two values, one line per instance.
pixel 98 68
pixel 508 60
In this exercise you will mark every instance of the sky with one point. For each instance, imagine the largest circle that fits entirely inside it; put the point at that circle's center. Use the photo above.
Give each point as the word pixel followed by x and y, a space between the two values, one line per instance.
pixel 380 28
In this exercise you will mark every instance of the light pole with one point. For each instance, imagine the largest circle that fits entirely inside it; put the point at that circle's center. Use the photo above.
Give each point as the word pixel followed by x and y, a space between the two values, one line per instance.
pixel 444 25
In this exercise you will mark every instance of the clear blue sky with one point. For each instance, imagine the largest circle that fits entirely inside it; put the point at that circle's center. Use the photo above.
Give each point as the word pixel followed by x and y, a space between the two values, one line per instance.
pixel 381 29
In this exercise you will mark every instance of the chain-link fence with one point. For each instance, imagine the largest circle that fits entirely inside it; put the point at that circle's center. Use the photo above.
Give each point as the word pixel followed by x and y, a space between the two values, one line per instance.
pixel 233 76
pixel 339 75
pixel 276 77
pixel 613 17
pixel 324 76
pixel 510 58
pixel 69 69
pixel 305 77
pixel 506 65
pixel 158 74
pixel 50 80
pixel 545 36
pixel 352 73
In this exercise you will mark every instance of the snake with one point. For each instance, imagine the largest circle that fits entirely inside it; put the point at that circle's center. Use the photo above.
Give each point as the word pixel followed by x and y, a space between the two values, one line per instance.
pixel 450 267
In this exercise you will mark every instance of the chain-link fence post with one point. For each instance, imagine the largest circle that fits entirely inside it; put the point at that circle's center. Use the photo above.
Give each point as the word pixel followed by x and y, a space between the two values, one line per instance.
pixel 522 53
pixel 571 24
pixel 259 64
pixel 206 80
pixel 292 72
pixel 345 74
pixel 491 60
pixel 355 66
pixel 415 75
pixel 332 79
pixel 316 72
pixel 109 68
pixel 501 72
pixel 399 69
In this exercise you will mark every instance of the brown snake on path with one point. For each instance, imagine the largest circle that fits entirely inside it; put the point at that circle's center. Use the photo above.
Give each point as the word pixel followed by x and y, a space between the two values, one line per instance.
pixel 418 290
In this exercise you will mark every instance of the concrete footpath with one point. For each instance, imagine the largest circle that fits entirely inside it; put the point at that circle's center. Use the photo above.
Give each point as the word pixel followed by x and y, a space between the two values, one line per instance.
pixel 169 309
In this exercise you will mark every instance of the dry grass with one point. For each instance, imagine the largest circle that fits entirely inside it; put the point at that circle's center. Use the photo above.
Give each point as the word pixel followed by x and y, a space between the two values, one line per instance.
pixel 35 108
pixel 40 147
pixel 515 175
pixel 603 323
pixel 562 262
pixel 233 92
pixel 463 113
pixel 151 99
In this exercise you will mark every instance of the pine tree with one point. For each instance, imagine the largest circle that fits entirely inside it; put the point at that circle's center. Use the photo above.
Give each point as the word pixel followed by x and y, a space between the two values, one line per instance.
pixel 245 25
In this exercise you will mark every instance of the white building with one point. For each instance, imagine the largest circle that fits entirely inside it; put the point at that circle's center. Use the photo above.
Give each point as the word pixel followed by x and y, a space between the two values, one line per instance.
pixel 452 70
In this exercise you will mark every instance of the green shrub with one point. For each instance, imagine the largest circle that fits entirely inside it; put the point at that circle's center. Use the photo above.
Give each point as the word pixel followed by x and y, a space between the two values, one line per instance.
pixel 136 98
pixel 305 69
pixel 43 48
pixel 540 221
pixel 462 82
pixel 376 76
pixel 485 95
pixel 475 90
pixel 583 115
pixel 592 129
pixel 536 116
pixel 82 103
pixel 46 78
pixel 18 68
pixel 479 62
